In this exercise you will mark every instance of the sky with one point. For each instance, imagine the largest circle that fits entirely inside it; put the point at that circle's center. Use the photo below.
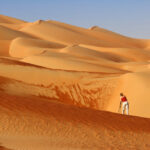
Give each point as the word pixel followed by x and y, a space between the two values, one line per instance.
pixel 127 17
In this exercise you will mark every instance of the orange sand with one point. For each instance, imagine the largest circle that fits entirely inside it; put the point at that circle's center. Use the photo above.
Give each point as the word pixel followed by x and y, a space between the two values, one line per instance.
pixel 60 85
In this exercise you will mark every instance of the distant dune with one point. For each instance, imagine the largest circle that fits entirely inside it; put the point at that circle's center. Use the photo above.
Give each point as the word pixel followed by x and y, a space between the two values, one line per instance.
pixel 60 86
pixel 10 20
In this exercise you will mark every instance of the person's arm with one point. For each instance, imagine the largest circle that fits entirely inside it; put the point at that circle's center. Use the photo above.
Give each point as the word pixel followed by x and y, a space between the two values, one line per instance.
pixel 120 101
pixel 120 104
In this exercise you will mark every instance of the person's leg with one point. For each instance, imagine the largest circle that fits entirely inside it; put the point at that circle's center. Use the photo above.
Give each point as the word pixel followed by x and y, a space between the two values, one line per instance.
pixel 123 108
pixel 127 109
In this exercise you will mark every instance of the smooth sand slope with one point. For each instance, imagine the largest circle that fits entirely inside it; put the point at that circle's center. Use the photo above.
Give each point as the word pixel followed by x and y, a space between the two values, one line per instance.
pixel 59 85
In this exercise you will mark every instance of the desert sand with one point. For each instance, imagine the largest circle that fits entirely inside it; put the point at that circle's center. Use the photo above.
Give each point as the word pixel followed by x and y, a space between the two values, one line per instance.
pixel 60 86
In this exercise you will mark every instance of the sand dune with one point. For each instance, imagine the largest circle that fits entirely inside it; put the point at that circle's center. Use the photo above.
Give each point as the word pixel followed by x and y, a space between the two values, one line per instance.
pixel 118 38
pixel 94 90
pixel 78 88
pixel 6 36
pixel 10 34
pixel 68 62
pixel 53 32
pixel 86 53
pixel 13 26
pixel 4 47
pixel 126 54
pixel 3 148
pixel 47 124
pixel 23 47
pixel 60 86
pixel 10 20
pixel 138 99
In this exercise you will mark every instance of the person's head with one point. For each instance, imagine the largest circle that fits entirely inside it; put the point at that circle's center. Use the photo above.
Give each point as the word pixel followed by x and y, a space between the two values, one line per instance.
pixel 121 94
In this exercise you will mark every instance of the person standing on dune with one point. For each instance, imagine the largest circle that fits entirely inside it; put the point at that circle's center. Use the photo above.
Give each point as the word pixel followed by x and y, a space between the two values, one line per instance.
pixel 124 103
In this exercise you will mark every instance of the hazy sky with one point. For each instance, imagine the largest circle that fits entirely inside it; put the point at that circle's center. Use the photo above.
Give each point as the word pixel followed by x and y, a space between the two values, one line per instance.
pixel 128 17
